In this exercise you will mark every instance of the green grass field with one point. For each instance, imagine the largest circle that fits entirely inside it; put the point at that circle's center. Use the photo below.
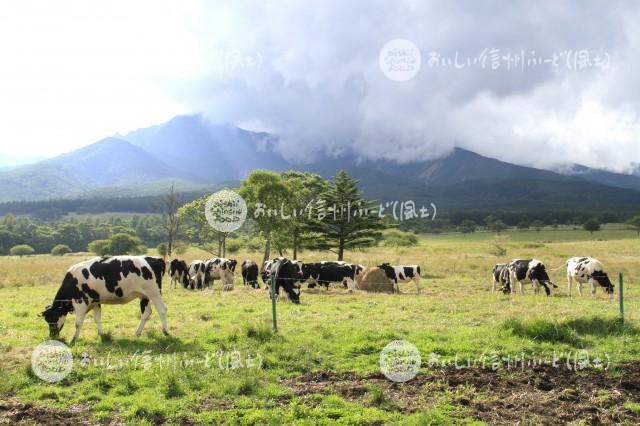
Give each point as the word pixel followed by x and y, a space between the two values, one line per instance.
pixel 223 364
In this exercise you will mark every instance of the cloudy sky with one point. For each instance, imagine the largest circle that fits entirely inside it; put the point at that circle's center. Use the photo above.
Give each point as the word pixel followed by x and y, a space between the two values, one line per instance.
pixel 529 83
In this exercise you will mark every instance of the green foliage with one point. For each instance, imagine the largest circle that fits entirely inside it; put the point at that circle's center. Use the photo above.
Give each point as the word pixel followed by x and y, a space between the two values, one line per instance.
pixel 397 238
pixel 346 221
pixel 99 247
pixel 523 224
pixel 124 244
pixel 467 226
pixel 233 246
pixel 591 225
pixel 60 250
pixel 634 223
pixel 21 250
pixel 163 249
pixel 498 226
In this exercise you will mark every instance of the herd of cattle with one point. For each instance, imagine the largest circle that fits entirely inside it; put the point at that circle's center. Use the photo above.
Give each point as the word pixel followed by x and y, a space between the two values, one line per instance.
pixel 120 279
pixel 287 274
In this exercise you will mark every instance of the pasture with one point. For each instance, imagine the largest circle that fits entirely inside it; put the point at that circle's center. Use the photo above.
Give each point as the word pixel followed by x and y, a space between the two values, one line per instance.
pixel 223 364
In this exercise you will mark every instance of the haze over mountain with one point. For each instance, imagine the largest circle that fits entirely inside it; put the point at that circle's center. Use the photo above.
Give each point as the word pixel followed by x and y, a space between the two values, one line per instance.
pixel 196 154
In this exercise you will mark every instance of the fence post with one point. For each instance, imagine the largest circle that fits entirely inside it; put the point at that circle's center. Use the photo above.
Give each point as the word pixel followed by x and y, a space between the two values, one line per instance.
pixel 621 293
pixel 273 302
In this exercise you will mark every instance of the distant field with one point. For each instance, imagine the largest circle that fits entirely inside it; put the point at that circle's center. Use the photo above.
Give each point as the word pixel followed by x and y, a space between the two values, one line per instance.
pixel 322 367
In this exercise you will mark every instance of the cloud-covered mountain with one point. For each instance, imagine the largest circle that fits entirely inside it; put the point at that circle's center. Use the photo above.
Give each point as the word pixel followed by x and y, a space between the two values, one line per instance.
pixel 195 154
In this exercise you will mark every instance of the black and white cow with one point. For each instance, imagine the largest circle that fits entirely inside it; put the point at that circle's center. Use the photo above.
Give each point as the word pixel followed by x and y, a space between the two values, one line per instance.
pixel 500 275
pixel 179 273
pixel 587 270
pixel 267 266
pixel 197 270
pixel 249 270
pixel 287 276
pixel 108 280
pixel 326 272
pixel 220 268
pixel 533 270
pixel 402 273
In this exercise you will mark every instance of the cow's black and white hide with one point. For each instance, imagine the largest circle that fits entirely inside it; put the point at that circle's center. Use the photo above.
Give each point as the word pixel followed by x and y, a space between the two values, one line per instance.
pixel 402 273
pixel 197 270
pixel 326 272
pixel 287 275
pixel 250 272
pixel 587 270
pixel 220 268
pixel 532 270
pixel 179 273
pixel 108 280
pixel 267 266
pixel 500 275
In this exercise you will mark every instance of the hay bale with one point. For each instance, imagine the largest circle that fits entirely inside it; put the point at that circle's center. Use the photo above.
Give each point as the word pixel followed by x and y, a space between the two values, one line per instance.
pixel 375 281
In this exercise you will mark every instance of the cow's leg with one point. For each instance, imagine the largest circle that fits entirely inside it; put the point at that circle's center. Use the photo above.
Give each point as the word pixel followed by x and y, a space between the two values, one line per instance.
pixel 396 287
pixel 592 286
pixel 145 311
pixel 579 287
pixel 97 317
pixel 81 310
pixel 162 312
pixel 417 281
pixel 536 286
pixel 569 284
pixel 495 284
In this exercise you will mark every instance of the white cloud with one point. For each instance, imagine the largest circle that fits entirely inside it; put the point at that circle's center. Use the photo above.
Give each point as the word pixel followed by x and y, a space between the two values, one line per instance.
pixel 310 74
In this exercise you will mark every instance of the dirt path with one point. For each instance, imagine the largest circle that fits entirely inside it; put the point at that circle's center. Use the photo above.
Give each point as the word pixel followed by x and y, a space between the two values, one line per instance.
pixel 542 395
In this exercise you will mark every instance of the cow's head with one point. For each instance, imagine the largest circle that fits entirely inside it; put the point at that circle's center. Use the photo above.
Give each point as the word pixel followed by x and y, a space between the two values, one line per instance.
pixel 603 279
pixel 186 279
pixel 538 272
pixel 231 264
pixel 55 316
pixel 388 269
pixel 288 276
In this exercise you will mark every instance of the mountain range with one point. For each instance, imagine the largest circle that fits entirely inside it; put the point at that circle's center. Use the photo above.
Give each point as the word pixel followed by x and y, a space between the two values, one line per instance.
pixel 196 155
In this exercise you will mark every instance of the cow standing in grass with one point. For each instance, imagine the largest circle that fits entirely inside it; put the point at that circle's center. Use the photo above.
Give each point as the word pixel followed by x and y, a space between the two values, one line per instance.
pixel 249 270
pixel 179 273
pixel 220 268
pixel 587 270
pixel 197 270
pixel 500 275
pixel 402 273
pixel 109 280
pixel 532 270
pixel 287 275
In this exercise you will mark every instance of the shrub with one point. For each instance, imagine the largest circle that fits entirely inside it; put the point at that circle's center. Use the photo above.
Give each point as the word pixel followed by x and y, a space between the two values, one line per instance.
pixel 163 249
pixel 100 247
pixel 60 250
pixel 233 246
pixel 398 238
pixel 124 244
pixel 21 250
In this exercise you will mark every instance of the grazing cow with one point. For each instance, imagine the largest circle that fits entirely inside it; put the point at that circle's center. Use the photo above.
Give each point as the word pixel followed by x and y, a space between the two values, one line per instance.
pixel 402 273
pixel 534 271
pixel 108 280
pixel 265 273
pixel 179 273
pixel 249 270
pixel 220 268
pixel 500 276
pixel 197 270
pixel 325 272
pixel 587 269
pixel 287 275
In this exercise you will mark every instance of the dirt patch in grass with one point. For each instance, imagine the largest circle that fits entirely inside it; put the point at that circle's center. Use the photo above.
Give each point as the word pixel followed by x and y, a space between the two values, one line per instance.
pixel 17 413
pixel 540 395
